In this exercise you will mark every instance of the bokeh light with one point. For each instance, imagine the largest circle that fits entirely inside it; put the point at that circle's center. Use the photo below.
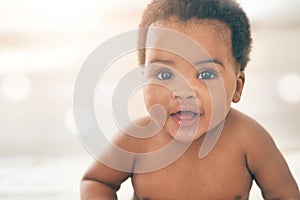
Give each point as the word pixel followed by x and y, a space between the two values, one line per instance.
pixel 289 88
pixel 16 86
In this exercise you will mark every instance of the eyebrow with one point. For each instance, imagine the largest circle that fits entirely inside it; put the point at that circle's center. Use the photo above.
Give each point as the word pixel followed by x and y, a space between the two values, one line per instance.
pixel 216 61
pixel 163 61
pixel 198 63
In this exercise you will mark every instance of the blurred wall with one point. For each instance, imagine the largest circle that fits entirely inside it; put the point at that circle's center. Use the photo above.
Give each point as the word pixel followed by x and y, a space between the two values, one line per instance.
pixel 44 43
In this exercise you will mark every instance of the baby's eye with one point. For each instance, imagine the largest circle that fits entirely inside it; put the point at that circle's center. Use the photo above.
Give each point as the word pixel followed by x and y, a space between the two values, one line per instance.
pixel 164 75
pixel 207 75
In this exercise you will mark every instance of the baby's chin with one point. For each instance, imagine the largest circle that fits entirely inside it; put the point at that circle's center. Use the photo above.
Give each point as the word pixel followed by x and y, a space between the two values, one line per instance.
pixel 187 136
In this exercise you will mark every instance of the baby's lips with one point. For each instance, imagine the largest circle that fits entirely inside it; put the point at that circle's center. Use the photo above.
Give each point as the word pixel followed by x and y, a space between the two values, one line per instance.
pixel 185 118
pixel 187 110
pixel 185 115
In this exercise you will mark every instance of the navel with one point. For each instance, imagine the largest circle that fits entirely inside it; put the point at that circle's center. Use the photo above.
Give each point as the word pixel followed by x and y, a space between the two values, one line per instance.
pixel 241 198
pixel 238 198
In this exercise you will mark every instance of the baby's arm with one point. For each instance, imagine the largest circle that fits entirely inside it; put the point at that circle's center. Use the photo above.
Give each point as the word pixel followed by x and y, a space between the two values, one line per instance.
pixel 101 182
pixel 268 166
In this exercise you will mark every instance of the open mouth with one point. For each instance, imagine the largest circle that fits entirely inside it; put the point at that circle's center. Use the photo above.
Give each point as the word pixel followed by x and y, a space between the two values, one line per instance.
pixel 185 118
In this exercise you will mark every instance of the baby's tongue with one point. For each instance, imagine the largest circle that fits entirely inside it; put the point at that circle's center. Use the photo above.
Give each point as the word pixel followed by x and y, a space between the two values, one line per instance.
pixel 185 115
pixel 185 118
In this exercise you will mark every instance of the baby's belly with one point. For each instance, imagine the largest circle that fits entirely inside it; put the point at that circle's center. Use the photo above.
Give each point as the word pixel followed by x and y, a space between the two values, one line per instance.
pixel 182 193
pixel 213 185
pixel 236 198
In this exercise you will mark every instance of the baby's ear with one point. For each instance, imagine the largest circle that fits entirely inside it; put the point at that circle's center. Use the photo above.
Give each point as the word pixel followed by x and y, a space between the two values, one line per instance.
pixel 239 87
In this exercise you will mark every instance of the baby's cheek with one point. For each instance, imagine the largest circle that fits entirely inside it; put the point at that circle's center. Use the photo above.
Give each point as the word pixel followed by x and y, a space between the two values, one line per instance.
pixel 154 94
pixel 215 103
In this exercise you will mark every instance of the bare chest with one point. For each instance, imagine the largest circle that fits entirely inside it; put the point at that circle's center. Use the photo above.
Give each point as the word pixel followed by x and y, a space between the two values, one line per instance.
pixel 190 178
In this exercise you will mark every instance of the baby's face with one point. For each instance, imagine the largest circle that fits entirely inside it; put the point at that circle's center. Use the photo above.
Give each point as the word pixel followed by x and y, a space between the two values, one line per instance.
pixel 196 87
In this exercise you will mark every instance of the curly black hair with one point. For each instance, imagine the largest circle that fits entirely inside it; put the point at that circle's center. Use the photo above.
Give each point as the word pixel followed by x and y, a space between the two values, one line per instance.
pixel 225 11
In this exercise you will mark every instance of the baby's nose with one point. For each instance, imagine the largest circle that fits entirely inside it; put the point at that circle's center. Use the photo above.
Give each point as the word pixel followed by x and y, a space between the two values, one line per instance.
pixel 183 86
pixel 184 93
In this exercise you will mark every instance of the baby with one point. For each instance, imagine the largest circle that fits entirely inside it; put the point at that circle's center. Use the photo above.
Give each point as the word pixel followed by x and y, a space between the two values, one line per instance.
pixel 193 145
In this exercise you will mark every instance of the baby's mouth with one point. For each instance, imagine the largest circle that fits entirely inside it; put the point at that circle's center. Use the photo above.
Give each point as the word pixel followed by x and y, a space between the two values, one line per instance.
pixel 185 118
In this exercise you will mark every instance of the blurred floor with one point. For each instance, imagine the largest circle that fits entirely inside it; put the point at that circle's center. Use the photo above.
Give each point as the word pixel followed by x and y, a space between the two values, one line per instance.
pixel 58 177
pixel 28 177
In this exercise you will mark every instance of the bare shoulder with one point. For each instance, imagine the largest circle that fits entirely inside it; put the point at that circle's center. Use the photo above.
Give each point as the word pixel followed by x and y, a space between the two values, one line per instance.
pixel 135 137
pixel 264 160
pixel 252 136
pixel 246 127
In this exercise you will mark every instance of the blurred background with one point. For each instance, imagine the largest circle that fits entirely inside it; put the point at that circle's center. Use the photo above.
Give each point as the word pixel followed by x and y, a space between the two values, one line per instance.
pixel 44 43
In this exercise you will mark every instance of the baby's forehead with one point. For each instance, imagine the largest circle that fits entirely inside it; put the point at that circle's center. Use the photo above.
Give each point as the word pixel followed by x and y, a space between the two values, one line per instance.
pixel 213 26
pixel 210 35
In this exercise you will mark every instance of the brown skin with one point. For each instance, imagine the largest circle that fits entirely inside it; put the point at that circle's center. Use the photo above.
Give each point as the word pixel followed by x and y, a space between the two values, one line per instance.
pixel 244 151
